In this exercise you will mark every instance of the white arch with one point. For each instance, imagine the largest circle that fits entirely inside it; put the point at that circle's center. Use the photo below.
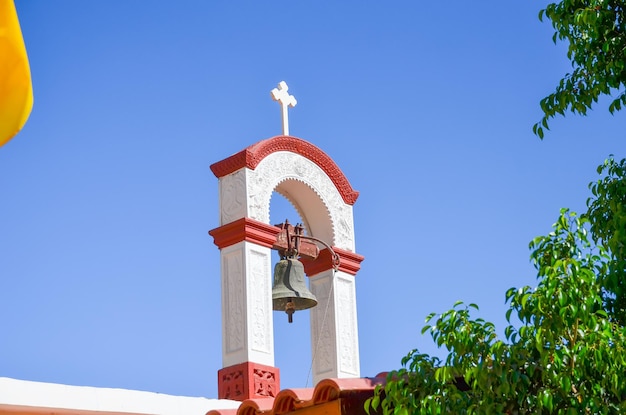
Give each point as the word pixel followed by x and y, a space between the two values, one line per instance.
pixel 319 202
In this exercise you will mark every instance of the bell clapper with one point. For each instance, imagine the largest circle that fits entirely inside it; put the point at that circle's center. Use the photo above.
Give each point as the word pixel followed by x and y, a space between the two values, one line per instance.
pixel 290 308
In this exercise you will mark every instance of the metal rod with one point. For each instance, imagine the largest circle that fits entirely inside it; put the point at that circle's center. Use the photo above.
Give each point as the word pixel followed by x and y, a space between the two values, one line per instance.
pixel 336 259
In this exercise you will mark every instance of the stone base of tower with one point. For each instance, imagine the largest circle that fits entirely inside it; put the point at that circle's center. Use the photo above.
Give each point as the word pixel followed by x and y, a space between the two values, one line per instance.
pixel 248 380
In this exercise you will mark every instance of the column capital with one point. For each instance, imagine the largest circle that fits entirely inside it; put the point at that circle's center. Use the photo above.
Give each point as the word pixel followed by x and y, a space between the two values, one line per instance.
pixel 244 229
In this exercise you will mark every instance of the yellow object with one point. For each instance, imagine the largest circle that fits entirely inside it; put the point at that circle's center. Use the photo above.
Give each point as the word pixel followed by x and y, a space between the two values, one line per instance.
pixel 16 89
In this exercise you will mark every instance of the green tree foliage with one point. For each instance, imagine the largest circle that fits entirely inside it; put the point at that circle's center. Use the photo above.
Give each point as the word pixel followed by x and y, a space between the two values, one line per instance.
pixel 596 34
pixel 606 212
pixel 564 351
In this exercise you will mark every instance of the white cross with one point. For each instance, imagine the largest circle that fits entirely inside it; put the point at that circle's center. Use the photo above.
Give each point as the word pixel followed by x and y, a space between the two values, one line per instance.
pixel 285 100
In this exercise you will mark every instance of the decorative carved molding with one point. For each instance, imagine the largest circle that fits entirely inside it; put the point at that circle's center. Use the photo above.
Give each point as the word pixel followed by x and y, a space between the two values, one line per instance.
pixel 347 328
pixel 233 197
pixel 244 229
pixel 248 380
pixel 261 308
pixel 253 155
pixel 282 166
pixel 322 337
pixel 233 297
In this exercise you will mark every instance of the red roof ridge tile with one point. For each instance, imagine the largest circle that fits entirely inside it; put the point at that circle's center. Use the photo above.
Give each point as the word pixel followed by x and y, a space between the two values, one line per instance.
pixel 331 389
pixel 223 412
pixel 289 400
pixel 255 406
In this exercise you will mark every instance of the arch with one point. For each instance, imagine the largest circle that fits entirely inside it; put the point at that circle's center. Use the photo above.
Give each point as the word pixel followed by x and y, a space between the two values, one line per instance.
pixel 299 171
pixel 309 189
pixel 251 156
pixel 308 205
pixel 324 199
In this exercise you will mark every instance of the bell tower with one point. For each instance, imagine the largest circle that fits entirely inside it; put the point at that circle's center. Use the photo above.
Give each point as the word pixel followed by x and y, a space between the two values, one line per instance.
pixel 324 198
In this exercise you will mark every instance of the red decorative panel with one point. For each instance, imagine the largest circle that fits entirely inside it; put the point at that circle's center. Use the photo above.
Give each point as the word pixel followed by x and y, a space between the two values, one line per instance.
pixel 231 383
pixel 248 380
pixel 252 156
pixel 265 382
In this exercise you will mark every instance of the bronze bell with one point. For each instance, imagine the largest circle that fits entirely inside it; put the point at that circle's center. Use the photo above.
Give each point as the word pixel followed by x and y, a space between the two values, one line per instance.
pixel 290 292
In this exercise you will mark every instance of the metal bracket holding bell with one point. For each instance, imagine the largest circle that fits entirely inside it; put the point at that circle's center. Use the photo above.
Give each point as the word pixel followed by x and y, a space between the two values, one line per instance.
pixel 289 292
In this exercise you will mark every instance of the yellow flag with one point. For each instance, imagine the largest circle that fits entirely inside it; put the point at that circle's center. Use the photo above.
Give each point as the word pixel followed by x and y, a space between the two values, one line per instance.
pixel 16 89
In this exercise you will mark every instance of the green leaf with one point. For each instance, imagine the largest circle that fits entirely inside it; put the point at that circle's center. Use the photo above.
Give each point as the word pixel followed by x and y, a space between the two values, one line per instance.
pixel 400 410
pixel 539 340
pixel 375 402
pixel 508 315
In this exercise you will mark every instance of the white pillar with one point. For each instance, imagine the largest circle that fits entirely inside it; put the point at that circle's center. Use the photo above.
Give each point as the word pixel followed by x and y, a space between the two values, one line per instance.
pixel 334 331
pixel 247 325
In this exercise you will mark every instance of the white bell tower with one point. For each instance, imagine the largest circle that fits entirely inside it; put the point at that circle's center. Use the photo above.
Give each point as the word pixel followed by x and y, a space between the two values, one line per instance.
pixel 324 198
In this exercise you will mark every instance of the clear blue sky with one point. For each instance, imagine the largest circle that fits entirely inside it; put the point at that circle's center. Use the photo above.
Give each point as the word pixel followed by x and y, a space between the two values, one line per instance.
pixel 107 274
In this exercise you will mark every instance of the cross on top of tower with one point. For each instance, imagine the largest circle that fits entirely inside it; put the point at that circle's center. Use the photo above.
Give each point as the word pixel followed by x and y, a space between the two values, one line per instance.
pixel 285 100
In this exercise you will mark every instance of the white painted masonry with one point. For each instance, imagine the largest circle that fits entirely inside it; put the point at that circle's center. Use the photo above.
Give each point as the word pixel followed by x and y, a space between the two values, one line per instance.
pixel 246 270
pixel 246 305
pixel 20 396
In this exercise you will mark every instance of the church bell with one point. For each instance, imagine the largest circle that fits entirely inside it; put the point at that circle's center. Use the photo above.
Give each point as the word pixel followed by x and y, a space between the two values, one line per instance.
pixel 290 292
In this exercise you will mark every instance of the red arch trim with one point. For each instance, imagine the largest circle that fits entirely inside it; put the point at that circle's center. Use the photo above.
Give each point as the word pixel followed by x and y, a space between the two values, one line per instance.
pixel 251 156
